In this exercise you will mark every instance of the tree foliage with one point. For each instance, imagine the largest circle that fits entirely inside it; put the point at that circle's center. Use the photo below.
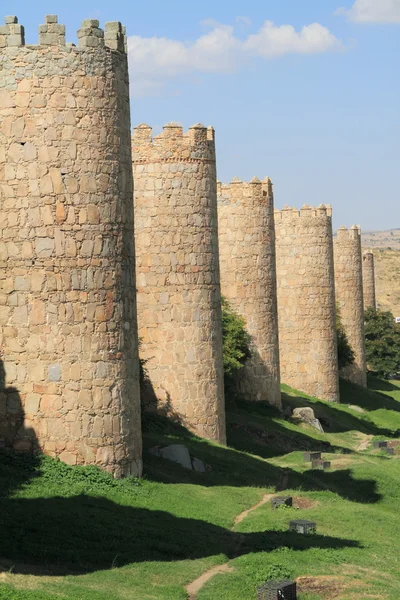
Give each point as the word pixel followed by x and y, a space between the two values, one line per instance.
pixel 346 355
pixel 235 342
pixel 382 339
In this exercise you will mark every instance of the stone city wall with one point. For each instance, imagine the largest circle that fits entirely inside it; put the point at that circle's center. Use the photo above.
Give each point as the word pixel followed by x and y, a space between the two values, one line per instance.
pixel 349 298
pixel 248 279
pixel 68 328
pixel 306 301
pixel 178 283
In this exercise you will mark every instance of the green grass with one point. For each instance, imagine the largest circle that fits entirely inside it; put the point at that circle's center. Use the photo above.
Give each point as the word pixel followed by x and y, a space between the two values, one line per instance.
pixel 75 533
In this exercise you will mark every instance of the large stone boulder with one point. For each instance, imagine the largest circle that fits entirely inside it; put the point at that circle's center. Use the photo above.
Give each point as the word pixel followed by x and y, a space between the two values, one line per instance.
pixel 306 415
pixel 179 454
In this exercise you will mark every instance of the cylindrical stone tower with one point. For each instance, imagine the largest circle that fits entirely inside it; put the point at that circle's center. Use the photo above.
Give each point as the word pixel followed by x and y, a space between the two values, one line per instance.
pixel 248 279
pixel 349 297
pixel 368 274
pixel 178 282
pixel 306 301
pixel 68 326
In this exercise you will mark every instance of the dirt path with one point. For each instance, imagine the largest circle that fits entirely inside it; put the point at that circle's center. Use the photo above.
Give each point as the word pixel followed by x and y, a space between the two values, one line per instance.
pixel 195 586
pixel 244 514
pixel 365 443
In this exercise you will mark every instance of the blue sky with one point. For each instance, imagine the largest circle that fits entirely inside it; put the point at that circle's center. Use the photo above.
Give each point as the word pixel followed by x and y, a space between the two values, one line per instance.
pixel 305 91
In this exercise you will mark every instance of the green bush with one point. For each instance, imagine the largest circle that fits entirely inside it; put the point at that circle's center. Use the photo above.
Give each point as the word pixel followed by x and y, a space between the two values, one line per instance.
pixel 382 340
pixel 346 355
pixel 235 342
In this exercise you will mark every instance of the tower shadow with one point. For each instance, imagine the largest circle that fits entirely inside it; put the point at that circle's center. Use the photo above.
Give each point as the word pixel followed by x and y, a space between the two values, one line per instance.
pixel 14 432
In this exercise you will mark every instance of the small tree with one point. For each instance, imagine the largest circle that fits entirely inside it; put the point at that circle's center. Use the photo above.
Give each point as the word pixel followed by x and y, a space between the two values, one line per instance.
pixel 382 340
pixel 235 342
pixel 346 355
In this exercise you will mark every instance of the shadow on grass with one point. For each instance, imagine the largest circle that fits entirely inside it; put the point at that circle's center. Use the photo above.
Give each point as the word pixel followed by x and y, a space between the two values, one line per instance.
pixel 254 427
pixel 373 398
pixel 382 385
pixel 83 534
pixel 334 420
pixel 229 467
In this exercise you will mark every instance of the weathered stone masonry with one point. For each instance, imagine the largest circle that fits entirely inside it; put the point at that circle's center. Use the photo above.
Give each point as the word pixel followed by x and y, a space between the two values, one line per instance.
pixel 349 297
pixel 248 279
pixel 306 301
pixel 68 330
pixel 178 283
pixel 368 274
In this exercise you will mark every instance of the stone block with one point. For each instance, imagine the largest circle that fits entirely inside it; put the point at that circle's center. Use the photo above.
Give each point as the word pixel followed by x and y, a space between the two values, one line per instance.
pixel 48 39
pixel 89 23
pixel 10 20
pixel 113 26
pixel 15 40
pixel 51 19
pixel 55 373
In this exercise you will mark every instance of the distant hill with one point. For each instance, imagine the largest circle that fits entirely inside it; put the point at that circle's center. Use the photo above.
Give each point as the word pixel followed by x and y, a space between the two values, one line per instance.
pixel 386 248
pixel 382 239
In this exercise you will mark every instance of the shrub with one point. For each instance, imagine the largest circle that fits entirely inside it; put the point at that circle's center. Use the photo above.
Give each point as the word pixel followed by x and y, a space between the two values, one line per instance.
pixel 235 342
pixel 382 340
pixel 346 355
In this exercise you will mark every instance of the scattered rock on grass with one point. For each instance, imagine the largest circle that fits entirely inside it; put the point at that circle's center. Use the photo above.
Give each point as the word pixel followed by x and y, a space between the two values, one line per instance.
pixel 178 453
pixel 306 415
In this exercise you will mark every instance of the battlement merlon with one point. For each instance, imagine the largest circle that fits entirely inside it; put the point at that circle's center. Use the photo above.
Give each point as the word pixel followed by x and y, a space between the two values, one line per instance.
pixel 51 34
pixel 172 144
pixel 306 212
pixel 115 36
pixel 240 191
pixel 12 34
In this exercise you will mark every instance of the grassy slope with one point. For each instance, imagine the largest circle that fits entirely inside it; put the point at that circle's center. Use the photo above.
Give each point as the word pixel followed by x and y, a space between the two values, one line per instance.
pixel 76 534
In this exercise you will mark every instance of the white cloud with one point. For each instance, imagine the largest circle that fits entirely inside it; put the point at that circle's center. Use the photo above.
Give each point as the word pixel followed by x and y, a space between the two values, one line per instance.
pixel 154 60
pixel 275 41
pixel 373 11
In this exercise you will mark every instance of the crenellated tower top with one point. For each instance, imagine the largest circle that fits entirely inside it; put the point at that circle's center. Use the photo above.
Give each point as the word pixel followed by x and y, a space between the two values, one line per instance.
pixel 52 34
pixel 344 235
pixel 172 144
pixel 288 214
pixel 255 191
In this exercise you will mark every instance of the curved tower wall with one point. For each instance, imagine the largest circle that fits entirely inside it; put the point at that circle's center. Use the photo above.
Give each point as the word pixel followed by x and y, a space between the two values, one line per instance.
pixel 68 327
pixel 306 301
pixel 349 297
pixel 178 282
pixel 368 274
pixel 248 279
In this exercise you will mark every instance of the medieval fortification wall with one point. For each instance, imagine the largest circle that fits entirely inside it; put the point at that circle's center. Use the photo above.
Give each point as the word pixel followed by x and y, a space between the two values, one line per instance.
pixel 68 330
pixel 248 279
pixel 178 284
pixel 349 298
pixel 69 369
pixel 368 275
pixel 306 301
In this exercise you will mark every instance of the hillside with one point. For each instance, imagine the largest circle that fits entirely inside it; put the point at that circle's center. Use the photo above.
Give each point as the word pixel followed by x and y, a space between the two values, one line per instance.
pixel 386 248
pixel 387 272
pixel 389 238
pixel 75 533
